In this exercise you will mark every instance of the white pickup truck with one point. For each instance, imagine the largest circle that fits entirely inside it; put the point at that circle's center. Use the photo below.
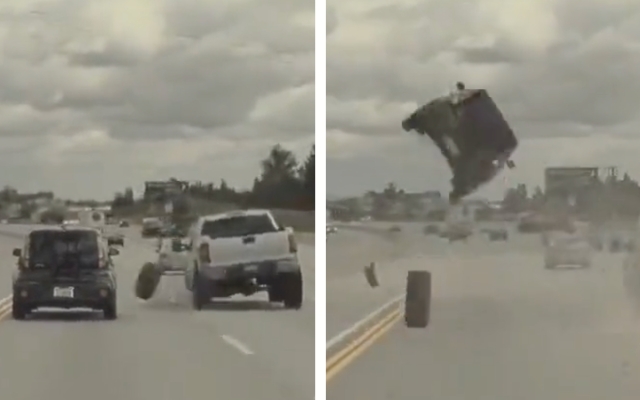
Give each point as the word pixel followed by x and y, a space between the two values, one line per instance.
pixel 242 252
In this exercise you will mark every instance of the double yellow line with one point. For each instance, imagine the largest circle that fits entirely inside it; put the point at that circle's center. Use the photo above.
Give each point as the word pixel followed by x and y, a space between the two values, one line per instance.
pixel 349 354
pixel 5 307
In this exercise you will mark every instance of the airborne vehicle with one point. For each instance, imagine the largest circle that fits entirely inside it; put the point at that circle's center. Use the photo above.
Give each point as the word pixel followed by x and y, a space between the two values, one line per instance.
pixel 472 135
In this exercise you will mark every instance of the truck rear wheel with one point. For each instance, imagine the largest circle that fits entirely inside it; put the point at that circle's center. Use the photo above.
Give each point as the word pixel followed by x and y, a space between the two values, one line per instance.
pixel 418 299
pixel 289 288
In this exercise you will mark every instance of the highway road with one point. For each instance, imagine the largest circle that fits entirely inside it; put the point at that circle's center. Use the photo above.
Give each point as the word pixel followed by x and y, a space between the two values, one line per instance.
pixel 502 327
pixel 160 349
pixel 349 297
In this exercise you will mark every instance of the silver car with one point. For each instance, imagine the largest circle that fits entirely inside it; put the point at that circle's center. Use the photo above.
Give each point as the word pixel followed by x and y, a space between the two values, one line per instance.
pixel 568 250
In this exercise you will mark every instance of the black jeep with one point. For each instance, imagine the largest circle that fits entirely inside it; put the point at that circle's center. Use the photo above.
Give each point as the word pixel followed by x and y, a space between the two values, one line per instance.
pixel 64 267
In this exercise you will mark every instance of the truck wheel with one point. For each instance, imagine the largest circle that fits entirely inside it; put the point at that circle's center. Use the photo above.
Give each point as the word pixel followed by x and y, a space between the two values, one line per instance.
pixel 200 293
pixel 370 274
pixel 291 285
pixel 18 310
pixel 148 281
pixel 110 310
pixel 417 299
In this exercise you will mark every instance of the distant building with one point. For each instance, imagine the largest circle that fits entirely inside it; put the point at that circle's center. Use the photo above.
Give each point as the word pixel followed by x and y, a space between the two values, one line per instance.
pixel 163 190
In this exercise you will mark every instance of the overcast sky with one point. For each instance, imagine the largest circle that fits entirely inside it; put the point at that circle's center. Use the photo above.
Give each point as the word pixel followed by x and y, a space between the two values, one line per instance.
pixel 566 73
pixel 96 95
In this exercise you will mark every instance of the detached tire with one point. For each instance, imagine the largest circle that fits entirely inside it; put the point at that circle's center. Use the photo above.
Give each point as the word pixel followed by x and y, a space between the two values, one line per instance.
pixel 418 299
pixel 200 294
pixel 370 274
pixel 148 281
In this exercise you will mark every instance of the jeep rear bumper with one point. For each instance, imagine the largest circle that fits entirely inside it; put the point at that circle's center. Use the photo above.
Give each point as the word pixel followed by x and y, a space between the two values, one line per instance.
pixel 85 295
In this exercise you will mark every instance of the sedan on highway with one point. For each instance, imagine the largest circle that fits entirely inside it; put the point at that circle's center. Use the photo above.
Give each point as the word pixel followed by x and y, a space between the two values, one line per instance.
pixel 567 250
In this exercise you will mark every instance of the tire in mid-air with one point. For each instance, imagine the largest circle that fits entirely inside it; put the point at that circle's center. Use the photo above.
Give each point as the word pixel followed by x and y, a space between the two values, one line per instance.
pixel 148 281
pixel 417 299
pixel 371 275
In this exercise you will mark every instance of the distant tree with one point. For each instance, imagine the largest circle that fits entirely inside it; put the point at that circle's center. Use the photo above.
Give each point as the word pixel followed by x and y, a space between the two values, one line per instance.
pixel 278 185
pixel 515 199
pixel 307 177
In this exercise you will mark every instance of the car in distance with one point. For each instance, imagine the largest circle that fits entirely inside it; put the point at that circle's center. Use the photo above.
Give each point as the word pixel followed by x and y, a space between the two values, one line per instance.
pixel 431 229
pixel 115 239
pixel 497 234
pixel 243 252
pixel 567 249
pixel 151 227
pixel 64 267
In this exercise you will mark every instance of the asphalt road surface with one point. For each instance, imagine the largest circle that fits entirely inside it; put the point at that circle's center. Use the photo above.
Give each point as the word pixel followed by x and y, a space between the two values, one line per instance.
pixel 349 297
pixel 502 327
pixel 161 349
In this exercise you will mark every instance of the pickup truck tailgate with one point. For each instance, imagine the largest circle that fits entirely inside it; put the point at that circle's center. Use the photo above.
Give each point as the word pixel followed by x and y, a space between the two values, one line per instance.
pixel 248 249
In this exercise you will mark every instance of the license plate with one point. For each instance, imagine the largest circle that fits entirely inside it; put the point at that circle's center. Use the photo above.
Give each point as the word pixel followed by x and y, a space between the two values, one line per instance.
pixel 251 268
pixel 64 292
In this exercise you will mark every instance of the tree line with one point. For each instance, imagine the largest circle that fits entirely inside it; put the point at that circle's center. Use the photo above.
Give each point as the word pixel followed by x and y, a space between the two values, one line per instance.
pixel 283 183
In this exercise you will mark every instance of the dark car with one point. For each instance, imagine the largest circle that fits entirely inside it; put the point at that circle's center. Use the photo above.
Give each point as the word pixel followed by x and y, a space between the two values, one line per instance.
pixel 64 267
pixel 115 240
pixel 431 230
pixel 496 235
pixel 472 135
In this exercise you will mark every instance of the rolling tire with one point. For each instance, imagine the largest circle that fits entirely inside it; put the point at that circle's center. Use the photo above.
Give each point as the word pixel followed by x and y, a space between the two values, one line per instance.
pixel 110 310
pixel 371 275
pixel 200 293
pixel 18 311
pixel 148 281
pixel 292 290
pixel 417 299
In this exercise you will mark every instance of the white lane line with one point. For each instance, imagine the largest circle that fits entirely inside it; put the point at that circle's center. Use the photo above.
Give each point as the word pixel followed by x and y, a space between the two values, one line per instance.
pixel 5 306
pixel 238 345
pixel 363 322
pixel 6 300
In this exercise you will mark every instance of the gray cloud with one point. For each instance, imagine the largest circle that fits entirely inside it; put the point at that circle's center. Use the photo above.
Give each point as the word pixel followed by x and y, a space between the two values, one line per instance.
pixel 98 86
pixel 563 71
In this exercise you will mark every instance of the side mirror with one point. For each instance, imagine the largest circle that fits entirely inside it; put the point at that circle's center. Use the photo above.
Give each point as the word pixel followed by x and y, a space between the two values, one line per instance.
pixel 17 252
pixel 113 251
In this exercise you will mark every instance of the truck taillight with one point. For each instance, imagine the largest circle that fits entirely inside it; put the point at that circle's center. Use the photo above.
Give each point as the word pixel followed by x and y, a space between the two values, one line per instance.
pixel 203 253
pixel 293 245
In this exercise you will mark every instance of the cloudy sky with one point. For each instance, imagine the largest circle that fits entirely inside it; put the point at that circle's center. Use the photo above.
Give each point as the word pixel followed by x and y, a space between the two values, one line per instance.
pixel 96 95
pixel 566 73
